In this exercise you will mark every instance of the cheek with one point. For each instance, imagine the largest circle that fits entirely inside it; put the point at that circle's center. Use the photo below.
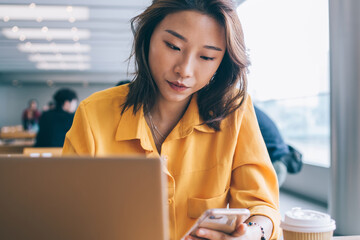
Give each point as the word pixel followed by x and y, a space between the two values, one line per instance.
pixel 203 76
pixel 155 68
pixel 159 62
pixel 155 61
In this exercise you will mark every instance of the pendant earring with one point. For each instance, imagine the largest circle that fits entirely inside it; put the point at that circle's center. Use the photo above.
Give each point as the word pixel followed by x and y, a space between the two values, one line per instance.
pixel 211 79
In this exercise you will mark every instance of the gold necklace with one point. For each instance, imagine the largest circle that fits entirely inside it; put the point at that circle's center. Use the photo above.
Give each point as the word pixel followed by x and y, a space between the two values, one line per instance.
pixel 155 130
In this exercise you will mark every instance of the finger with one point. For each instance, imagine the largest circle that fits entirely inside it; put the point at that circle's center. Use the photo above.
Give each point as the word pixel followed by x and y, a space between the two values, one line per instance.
pixel 191 238
pixel 240 220
pixel 240 230
pixel 211 234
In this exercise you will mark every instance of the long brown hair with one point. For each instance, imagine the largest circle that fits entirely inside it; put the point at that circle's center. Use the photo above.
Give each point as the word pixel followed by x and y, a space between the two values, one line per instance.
pixel 221 96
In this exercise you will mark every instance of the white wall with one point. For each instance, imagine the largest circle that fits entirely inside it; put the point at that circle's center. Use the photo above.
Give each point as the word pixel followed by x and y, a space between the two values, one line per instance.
pixel 13 100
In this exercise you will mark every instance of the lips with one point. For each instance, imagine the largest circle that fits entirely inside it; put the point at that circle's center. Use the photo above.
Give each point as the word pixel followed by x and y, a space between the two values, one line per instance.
pixel 177 86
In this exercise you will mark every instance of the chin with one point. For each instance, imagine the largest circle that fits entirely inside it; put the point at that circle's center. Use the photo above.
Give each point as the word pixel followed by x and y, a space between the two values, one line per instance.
pixel 177 98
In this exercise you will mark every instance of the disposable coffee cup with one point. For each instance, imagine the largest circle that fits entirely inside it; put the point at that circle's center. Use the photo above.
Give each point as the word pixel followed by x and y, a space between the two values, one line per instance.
pixel 301 224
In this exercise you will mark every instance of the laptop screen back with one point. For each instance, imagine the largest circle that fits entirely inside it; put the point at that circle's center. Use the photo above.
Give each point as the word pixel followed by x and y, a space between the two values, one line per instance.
pixel 77 198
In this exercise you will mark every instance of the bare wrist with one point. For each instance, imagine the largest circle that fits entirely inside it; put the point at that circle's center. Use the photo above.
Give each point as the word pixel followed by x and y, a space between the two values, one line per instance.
pixel 254 224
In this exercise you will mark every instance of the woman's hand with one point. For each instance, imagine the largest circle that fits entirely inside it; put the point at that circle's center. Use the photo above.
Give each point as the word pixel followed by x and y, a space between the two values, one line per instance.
pixel 242 232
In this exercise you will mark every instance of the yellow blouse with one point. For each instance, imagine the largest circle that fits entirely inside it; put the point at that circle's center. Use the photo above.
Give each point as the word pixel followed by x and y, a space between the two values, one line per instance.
pixel 206 169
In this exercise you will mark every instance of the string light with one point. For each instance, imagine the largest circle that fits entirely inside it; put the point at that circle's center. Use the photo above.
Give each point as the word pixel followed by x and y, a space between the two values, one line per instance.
pixel 22 37
pixel 69 8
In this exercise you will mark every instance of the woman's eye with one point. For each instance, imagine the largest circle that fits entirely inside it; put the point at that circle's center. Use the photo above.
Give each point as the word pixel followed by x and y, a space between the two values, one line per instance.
pixel 172 46
pixel 207 58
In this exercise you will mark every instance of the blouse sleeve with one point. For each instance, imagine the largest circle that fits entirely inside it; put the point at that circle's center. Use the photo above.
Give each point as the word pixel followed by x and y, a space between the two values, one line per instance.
pixel 254 183
pixel 79 139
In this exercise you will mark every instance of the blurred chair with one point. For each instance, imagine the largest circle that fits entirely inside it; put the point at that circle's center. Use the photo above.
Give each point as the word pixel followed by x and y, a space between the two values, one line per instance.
pixel 44 152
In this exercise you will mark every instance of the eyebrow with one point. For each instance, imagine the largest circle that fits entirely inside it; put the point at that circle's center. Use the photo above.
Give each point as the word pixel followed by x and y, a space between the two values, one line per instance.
pixel 213 48
pixel 181 37
pixel 177 35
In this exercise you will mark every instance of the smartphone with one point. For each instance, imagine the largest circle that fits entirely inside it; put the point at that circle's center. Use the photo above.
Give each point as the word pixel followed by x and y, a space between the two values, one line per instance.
pixel 220 219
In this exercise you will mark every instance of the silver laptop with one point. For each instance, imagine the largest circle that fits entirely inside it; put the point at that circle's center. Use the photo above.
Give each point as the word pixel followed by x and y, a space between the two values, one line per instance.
pixel 82 198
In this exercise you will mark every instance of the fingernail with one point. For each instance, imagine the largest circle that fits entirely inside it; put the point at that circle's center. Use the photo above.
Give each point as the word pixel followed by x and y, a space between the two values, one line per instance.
pixel 201 232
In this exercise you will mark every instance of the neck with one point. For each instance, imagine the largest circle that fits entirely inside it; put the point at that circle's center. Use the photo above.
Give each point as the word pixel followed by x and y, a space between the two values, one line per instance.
pixel 163 117
pixel 168 113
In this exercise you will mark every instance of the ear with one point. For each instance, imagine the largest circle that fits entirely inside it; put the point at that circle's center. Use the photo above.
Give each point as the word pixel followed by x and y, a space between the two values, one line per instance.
pixel 66 106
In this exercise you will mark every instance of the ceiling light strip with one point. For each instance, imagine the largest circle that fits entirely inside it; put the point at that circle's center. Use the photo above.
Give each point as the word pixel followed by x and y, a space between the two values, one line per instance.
pixel 43 12
pixel 54 48
pixel 46 33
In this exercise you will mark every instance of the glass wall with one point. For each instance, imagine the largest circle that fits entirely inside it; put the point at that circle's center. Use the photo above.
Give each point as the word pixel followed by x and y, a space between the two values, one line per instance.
pixel 288 45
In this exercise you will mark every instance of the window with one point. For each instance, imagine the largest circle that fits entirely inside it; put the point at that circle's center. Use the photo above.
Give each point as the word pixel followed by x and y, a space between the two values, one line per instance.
pixel 288 45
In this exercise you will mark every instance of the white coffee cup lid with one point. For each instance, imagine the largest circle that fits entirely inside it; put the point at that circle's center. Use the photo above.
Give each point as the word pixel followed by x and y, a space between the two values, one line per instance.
pixel 301 220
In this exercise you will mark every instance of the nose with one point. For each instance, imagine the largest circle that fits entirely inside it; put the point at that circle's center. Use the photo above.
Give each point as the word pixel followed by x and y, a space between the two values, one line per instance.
pixel 185 67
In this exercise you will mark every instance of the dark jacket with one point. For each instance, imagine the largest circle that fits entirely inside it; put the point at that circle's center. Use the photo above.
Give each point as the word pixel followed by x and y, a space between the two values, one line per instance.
pixel 53 127
pixel 277 148
pixel 272 137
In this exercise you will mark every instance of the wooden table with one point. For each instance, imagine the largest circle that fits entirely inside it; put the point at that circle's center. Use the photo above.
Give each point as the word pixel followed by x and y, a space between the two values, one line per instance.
pixel 347 238
pixel 17 135
pixel 48 151
pixel 342 238
pixel 12 149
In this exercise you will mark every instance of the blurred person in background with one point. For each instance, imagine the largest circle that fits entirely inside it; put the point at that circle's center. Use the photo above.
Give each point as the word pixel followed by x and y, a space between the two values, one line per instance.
pixel 285 158
pixel 49 106
pixel 55 122
pixel 122 82
pixel 31 116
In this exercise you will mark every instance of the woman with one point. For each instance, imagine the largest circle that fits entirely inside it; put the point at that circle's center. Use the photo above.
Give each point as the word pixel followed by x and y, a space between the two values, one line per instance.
pixel 184 104
pixel 31 116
